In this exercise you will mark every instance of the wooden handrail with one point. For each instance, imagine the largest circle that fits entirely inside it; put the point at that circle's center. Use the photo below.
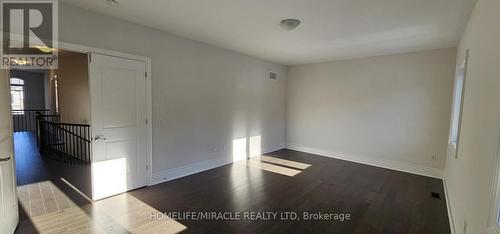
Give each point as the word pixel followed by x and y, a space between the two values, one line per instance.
pixel 67 124
pixel 67 141
pixel 58 125
pixel 32 110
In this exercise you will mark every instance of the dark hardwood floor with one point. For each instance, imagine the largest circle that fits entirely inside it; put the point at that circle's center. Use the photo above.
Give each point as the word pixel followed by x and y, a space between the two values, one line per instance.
pixel 377 200
pixel 32 168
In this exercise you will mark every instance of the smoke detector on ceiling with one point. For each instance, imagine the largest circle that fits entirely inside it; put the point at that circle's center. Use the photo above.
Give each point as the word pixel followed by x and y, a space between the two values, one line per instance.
pixel 290 24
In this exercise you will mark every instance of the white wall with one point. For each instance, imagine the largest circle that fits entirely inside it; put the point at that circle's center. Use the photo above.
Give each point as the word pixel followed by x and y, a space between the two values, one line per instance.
pixel 6 139
pixel 73 88
pixel 471 177
pixel 203 96
pixel 390 111
pixel 10 214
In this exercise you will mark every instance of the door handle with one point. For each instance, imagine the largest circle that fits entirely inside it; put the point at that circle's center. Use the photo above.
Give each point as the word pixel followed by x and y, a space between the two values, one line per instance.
pixel 99 138
pixel 4 159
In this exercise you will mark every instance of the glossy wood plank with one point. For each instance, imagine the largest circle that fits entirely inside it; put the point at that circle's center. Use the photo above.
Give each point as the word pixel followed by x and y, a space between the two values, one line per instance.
pixel 379 200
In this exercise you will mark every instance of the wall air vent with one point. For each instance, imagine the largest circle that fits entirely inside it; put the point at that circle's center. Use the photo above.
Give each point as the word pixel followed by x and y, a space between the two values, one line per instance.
pixel 273 75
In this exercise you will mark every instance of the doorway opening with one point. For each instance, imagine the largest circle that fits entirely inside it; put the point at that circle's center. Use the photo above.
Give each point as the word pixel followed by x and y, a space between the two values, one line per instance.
pixel 52 132
pixel 63 148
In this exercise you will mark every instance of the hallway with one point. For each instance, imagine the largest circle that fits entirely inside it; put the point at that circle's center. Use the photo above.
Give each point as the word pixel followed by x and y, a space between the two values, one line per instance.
pixel 32 167
pixel 31 170
pixel 49 205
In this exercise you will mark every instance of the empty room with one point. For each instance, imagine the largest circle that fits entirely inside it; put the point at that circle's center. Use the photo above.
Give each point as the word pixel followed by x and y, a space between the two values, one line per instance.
pixel 250 116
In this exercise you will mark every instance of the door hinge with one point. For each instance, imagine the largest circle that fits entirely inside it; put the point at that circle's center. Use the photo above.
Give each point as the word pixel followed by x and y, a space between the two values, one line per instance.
pixel 146 121
pixel 90 57
pixel 145 74
pixel 147 167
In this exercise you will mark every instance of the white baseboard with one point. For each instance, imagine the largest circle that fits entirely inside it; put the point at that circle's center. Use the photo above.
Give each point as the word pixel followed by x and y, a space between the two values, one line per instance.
pixel 448 207
pixel 374 161
pixel 190 169
pixel 194 168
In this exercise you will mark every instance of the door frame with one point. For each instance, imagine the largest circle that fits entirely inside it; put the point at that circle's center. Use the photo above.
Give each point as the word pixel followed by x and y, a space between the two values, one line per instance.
pixel 12 161
pixel 494 214
pixel 149 110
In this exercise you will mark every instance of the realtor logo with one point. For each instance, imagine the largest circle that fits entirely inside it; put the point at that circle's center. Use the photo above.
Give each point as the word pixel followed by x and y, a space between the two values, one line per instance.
pixel 29 34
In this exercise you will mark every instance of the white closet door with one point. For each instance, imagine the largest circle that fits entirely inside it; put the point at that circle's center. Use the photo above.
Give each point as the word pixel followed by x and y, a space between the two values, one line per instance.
pixel 118 106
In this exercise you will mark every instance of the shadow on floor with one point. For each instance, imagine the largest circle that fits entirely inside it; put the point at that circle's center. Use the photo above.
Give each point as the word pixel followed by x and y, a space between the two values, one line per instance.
pixel 32 168
pixel 378 200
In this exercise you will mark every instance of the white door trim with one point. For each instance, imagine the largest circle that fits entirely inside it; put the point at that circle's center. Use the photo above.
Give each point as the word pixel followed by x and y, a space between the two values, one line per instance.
pixel 495 191
pixel 87 50
pixel 7 151
pixel 149 135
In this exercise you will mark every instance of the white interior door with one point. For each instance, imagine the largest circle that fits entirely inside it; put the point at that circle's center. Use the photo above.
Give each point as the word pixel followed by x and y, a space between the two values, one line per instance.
pixel 118 107
pixel 9 215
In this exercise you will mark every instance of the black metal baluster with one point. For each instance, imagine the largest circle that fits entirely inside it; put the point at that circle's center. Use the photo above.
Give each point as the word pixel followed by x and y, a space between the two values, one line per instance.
pixel 80 144
pixel 72 142
pixel 75 142
pixel 72 137
pixel 66 141
pixel 55 133
pixel 32 122
pixel 29 121
pixel 87 145
pixel 49 136
pixel 53 144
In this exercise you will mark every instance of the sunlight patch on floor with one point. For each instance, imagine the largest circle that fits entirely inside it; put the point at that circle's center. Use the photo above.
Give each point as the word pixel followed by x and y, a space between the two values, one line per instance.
pixel 284 162
pixel 256 163
pixel 51 211
pixel 135 215
pixel 276 165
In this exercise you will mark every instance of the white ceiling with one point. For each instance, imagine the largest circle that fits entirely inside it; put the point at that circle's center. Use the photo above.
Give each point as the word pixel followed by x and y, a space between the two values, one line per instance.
pixel 330 29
